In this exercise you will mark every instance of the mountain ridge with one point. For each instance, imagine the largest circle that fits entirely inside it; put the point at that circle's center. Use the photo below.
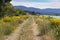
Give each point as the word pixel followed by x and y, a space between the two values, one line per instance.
pixel 42 11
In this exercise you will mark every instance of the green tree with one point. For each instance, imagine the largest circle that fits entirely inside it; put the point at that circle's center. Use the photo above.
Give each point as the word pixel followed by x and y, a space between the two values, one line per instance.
pixel 33 13
pixel 3 6
pixel 19 12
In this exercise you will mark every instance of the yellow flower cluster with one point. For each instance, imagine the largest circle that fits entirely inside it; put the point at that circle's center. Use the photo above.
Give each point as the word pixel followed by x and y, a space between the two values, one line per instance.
pixel 38 17
pixel 19 17
pixel 1 21
pixel 6 18
pixel 55 19
pixel 15 17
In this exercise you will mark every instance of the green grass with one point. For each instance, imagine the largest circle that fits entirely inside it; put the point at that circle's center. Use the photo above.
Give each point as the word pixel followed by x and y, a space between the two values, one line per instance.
pixel 7 26
pixel 46 27
pixel 43 26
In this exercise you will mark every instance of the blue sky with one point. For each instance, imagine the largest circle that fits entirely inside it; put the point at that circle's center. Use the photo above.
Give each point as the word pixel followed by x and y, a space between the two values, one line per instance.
pixel 32 0
pixel 36 0
pixel 37 3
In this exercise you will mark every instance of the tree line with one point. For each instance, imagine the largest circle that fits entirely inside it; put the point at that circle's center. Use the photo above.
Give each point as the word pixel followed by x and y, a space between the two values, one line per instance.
pixel 7 9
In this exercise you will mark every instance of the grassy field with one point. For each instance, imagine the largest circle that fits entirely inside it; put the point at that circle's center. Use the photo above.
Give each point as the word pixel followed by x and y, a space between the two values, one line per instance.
pixel 48 27
pixel 9 24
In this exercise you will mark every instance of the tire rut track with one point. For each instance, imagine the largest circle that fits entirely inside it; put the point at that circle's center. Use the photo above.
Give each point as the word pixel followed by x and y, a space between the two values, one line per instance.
pixel 35 30
pixel 26 33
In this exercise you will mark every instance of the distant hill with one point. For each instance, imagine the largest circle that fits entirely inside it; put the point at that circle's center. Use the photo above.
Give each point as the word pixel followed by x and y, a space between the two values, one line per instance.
pixel 41 11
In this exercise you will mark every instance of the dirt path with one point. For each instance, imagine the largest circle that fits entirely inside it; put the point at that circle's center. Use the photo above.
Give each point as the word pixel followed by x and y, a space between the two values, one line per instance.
pixel 35 30
pixel 16 33
pixel 36 35
pixel 28 30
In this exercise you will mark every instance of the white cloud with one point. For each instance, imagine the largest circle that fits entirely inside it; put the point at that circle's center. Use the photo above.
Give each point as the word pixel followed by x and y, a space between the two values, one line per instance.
pixel 38 4
pixel 54 0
